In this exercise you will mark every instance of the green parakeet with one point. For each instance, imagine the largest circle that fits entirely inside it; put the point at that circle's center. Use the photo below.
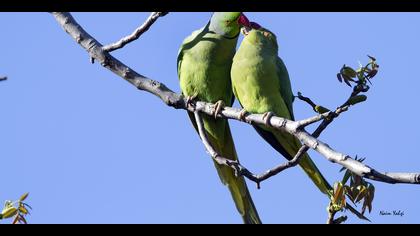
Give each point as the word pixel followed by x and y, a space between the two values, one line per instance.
pixel 261 84
pixel 204 63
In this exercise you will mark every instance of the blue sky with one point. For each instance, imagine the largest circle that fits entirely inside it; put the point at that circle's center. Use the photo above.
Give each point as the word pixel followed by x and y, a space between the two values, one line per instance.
pixel 92 149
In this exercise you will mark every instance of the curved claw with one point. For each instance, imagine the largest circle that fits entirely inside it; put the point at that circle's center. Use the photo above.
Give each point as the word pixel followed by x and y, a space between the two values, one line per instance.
pixel 218 107
pixel 267 117
pixel 242 115
pixel 190 99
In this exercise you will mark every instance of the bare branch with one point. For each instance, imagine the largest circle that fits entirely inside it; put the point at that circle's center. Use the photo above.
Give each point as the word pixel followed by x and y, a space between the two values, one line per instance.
pixel 94 48
pixel 3 78
pixel 307 100
pixel 329 115
pixel 136 34
pixel 242 171
pixel 328 118
pixel 324 116
pixel 239 169
pixel 278 169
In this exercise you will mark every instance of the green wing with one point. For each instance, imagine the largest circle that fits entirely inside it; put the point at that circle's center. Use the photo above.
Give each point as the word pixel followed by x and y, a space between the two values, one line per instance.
pixel 218 130
pixel 188 43
pixel 286 87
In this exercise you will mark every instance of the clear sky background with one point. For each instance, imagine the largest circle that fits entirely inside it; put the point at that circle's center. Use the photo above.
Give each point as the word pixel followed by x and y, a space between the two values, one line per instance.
pixel 92 149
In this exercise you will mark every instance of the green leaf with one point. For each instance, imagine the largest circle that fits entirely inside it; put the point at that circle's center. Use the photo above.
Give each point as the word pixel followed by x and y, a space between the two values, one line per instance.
pixel 371 58
pixel 321 109
pixel 357 99
pixel 368 202
pixel 9 212
pixel 362 193
pixel 371 190
pixel 369 205
pixel 23 197
pixel 357 180
pixel 343 199
pixel 338 193
pixel 348 71
pixel 349 193
pixel 26 205
pixel 23 220
pixel 364 207
pixel 339 77
pixel 346 177
pixel 23 210
pixel 347 82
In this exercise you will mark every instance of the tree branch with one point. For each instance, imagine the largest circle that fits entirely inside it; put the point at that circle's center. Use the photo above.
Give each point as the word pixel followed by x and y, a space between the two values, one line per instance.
pixel 324 116
pixel 136 34
pixel 95 50
pixel 3 78
pixel 239 169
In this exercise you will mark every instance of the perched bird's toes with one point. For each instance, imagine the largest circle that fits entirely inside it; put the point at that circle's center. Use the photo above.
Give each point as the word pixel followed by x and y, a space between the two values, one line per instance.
pixel 267 117
pixel 190 99
pixel 242 115
pixel 218 107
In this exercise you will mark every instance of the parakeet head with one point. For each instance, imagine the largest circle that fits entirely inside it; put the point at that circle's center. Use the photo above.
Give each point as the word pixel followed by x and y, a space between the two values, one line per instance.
pixel 228 24
pixel 258 35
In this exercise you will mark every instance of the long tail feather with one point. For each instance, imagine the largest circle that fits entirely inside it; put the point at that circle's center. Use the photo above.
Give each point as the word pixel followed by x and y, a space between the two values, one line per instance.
pixel 306 163
pixel 236 185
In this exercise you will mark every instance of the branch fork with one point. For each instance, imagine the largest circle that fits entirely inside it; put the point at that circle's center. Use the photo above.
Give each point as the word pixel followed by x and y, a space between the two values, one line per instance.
pixel 133 36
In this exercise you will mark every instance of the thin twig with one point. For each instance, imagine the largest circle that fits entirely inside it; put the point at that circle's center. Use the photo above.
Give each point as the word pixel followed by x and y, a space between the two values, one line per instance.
pixel 296 159
pixel 280 168
pixel 307 100
pixel 239 169
pixel 3 78
pixel 136 34
pixel 324 116
pixel 327 117
pixel 94 48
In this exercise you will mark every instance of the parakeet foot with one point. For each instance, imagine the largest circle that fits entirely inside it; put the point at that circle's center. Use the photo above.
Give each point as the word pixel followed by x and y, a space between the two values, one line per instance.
pixel 218 107
pixel 190 99
pixel 267 116
pixel 242 115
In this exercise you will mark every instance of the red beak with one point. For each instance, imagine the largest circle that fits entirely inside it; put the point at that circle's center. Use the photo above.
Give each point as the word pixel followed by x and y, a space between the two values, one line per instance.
pixel 246 24
pixel 254 25
pixel 243 21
